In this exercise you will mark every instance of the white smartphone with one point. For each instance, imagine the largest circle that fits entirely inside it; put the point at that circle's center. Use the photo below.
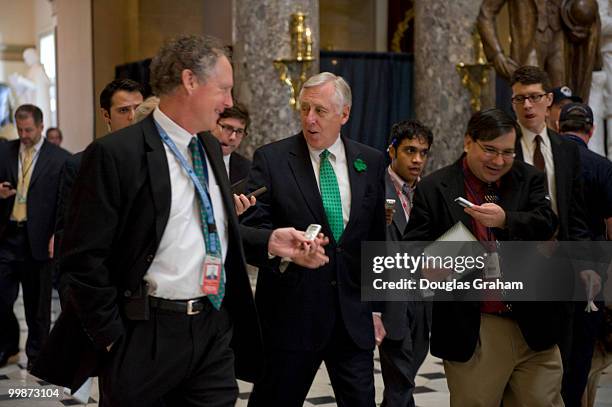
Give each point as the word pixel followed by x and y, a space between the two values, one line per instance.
pixel 464 202
pixel 312 231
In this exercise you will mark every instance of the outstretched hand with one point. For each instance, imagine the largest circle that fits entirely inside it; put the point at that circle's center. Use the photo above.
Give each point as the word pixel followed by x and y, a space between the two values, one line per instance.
pixel 488 214
pixel 289 242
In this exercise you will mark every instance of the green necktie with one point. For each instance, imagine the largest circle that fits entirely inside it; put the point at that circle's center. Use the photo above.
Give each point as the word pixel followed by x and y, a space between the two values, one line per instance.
pixel 199 169
pixel 330 193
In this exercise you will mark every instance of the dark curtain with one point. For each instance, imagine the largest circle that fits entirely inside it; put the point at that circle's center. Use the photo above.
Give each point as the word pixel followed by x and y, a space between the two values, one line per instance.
pixel 382 88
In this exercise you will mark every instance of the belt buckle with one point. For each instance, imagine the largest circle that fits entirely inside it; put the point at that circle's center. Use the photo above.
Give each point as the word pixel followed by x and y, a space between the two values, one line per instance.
pixel 190 310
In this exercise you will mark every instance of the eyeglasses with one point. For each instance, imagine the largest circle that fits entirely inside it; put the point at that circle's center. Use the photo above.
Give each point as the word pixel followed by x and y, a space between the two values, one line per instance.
pixel 490 152
pixel 520 99
pixel 229 130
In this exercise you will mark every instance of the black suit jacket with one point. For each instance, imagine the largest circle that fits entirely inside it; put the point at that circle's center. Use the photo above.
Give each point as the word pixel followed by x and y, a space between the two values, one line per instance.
pixel 117 215
pixel 395 313
pixel 239 167
pixel 455 325
pixel 299 307
pixel 570 194
pixel 42 193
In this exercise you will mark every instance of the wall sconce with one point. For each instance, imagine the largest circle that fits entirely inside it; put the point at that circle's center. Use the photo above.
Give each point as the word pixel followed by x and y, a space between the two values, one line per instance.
pixel 475 77
pixel 293 71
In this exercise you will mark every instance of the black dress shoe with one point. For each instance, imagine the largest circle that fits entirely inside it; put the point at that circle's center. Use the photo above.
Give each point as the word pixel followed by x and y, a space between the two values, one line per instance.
pixel 5 356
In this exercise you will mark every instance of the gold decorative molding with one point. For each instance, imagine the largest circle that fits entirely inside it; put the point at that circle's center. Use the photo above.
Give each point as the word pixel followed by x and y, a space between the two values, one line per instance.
pixel 400 31
pixel 13 52
pixel 475 77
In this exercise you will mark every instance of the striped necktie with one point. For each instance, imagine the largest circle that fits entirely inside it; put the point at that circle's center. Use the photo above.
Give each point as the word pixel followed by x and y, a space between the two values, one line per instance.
pixel 198 168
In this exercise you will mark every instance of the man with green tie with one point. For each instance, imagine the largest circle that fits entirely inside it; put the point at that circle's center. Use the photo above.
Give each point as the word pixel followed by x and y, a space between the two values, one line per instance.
pixel 311 316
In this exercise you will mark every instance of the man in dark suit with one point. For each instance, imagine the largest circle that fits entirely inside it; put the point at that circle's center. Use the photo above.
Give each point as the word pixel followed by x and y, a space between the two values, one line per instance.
pixel 310 316
pixel 29 176
pixel 231 128
pixel 406 322
pixel 559 159
pixel 492 350
pixel 151 215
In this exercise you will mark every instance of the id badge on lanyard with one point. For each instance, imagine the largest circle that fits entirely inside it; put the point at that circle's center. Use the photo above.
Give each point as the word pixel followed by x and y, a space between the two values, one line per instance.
pixel 211 275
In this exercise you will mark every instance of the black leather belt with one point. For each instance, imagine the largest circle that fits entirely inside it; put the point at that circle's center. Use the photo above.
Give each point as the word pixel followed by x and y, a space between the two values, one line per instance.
pixel 187 307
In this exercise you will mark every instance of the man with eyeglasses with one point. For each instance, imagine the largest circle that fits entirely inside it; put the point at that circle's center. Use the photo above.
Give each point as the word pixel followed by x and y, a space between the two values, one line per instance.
pixel 230 130
pixel 493 351
pixel 559 159
pixel 406 322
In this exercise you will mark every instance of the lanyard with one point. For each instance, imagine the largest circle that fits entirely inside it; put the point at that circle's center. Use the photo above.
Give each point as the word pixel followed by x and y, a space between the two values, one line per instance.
pixel 211 239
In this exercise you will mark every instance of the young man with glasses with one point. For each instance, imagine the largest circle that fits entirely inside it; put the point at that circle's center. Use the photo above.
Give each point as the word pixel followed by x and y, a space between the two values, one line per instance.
pixel 493 351
pixel 231 128
pixel 559 159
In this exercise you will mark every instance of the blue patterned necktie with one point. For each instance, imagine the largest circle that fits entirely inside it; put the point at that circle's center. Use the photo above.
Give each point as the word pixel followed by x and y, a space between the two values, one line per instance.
pixel 330 193
pixel 198 168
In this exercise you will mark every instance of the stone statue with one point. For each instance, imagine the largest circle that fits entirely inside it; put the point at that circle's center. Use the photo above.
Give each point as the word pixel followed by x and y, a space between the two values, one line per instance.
pixel 34 87
pixel 605 14
pixel 560 36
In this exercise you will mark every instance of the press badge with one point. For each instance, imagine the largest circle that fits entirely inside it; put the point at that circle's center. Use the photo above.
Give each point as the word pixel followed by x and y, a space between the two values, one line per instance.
pixel 211 275
pixel 492 268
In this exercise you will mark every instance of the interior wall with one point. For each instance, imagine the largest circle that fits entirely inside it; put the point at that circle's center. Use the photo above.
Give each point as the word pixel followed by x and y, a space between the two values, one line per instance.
pixel 348 25
pixel 75 73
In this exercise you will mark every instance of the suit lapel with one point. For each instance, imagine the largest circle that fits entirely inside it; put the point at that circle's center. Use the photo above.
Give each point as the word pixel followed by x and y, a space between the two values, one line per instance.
pixel 399 218
pixel 41 162
pixel 452 188
pixel 218 166
pixel 357 180
pixel 508 198
pixel 560 162
pixel 301 167
pixel 159 175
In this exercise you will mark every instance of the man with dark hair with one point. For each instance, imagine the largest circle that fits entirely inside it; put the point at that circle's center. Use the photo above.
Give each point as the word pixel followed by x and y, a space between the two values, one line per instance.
pixel 151 216
pixel 231 128
pixel 406 322
pixel 561 96
pixel 54 136
pixel 576 124
pixel 492 350
pixel 118 101
pixel 544 149
pixel 559 159
pixel 29 176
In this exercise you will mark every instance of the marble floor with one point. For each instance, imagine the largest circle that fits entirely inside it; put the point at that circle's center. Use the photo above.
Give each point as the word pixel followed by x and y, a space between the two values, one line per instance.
pixel 431 388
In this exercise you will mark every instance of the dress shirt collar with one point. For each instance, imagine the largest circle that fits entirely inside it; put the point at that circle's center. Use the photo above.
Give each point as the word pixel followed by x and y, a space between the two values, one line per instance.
pixel 177 134
pixel 530 136
pixel 36 147
pixel 335 150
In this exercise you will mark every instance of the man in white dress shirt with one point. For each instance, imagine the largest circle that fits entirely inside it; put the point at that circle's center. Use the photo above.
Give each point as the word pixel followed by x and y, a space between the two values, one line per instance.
pixel 152 216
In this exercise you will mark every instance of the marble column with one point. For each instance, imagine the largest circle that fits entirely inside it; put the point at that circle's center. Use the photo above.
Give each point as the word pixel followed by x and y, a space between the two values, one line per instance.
pixel 261 35
pixel 443 38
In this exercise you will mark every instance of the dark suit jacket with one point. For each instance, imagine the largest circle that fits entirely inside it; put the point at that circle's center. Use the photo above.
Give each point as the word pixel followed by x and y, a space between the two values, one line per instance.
pixel 570 194
pixel 42 193
pixel 395 313
pixel 455 325
pixel 299 307
pixel 239 167
pixel 68 175
pixel 117 215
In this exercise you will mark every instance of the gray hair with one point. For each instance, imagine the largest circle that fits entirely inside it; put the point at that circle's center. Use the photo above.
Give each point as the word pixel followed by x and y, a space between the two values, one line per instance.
pixel 342 94
pixel 198 53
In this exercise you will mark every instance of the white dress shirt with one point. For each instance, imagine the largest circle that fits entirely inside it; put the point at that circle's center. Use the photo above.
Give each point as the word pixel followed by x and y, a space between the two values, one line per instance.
pixel 176 269
pixel 226 160
pixel 337 158
pixel 528 145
